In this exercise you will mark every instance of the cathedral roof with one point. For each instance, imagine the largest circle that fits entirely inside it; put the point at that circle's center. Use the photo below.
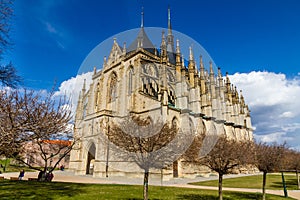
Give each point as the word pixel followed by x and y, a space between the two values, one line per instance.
pixel 142 41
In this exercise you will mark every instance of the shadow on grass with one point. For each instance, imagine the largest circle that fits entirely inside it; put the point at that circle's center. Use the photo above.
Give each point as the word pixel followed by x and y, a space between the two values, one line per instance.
pixel 226 196
pixel 291 184
pixel 38 190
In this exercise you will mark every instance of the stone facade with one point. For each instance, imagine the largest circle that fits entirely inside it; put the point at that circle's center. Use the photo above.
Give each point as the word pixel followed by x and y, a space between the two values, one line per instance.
pixel 144 80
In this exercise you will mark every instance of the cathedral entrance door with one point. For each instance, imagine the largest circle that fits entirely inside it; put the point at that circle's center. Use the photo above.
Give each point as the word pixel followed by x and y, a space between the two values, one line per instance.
pixel 90 159
pixel 175 169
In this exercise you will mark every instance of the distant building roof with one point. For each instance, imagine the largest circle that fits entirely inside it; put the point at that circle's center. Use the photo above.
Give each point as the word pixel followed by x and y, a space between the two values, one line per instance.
pixel 62 142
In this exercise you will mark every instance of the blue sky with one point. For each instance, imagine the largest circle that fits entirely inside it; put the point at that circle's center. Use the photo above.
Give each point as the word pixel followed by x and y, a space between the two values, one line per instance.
pixel 260 39
pixel 51 38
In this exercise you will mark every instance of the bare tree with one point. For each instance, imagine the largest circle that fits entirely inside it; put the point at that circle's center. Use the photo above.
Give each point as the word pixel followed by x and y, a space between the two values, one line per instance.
pixel 45 155
pixel 6 12
pixel 193 152
pixel 29 117
pixel 9 76
pixel 50 120
pixel 14 123
pixel 141 140
pixel 8 73
pixel 292 163
pixel 225 157
pixel 269 158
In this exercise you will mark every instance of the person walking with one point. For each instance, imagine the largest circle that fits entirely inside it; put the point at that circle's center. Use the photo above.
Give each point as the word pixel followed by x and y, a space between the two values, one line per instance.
pixel 21 175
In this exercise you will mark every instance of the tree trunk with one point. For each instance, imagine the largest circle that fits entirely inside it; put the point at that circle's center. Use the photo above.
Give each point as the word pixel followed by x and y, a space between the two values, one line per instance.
pixel 220 186
pixel 284 185
pixel 146 179
pixel 298 181
pixel 264 185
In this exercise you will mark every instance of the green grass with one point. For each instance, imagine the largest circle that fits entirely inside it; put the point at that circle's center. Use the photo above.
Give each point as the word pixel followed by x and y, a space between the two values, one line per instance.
pixel 12 167
pixel 63 191
pixel 274 181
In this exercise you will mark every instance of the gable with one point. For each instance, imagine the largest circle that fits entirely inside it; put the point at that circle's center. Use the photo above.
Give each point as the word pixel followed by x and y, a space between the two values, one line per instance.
pixel 115 53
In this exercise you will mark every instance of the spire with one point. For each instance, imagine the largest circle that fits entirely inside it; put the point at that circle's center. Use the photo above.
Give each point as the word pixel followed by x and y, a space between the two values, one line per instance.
pixel 242 102
pixel 211 71
pixel 142 18
pixel 178 61
pixel 124 48
pixel 95 70
pixel 163 40
pixel 79 99
pixel 170 37
pixel 242 99
pixel 104 62
pixel 183 72
pixel 178 56
pixel 191 65
pixel 169 22
pixel 191 68
pixel 219 72
pixel 142 40
pixel 220 78
pixel 227 79
pixel 201 63
pixel 163 48
pixel 177 47
pixel 202 77
pixel 201 68
pixel 191 54
pixel 79 108
pixel 235 95
pixel 228 88
pixel 84 85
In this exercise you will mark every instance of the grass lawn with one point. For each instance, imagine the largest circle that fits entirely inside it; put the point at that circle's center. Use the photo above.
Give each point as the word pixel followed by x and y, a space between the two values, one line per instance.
pixel 12 167
pixel 274 181
pixel 62 191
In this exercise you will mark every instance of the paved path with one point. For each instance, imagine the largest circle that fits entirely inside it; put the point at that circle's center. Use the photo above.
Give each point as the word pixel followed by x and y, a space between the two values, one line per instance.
pixel 65 176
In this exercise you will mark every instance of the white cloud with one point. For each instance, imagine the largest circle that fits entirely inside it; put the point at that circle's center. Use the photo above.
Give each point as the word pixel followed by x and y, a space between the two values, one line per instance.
pixel 292 127
pixel 274 103
pixel 273 100
pixel 55 34
pixel 72 87
pixel 287 114
pixel 267 88
pixel 278 137
pixel 59 44
pixel 50 28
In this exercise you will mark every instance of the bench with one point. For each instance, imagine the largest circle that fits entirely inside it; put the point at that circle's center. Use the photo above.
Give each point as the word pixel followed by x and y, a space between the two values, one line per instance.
pixel 14 178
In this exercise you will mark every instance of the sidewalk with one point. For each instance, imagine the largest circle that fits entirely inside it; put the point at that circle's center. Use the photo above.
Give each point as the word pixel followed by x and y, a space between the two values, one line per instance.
pixel 65 176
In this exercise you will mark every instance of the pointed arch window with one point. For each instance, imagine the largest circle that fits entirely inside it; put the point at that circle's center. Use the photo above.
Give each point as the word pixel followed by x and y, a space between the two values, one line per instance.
pixel 112 92
pixel 97 97
pixel 130 81
pixel 85 104
pixel 171 97
pixel 175 122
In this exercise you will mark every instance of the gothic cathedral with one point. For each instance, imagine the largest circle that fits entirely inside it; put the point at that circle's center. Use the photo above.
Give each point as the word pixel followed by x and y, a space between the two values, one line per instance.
pixel 150 81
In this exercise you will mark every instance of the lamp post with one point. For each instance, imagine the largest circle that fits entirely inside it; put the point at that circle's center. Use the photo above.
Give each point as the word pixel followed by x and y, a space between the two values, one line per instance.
pixel 107 151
